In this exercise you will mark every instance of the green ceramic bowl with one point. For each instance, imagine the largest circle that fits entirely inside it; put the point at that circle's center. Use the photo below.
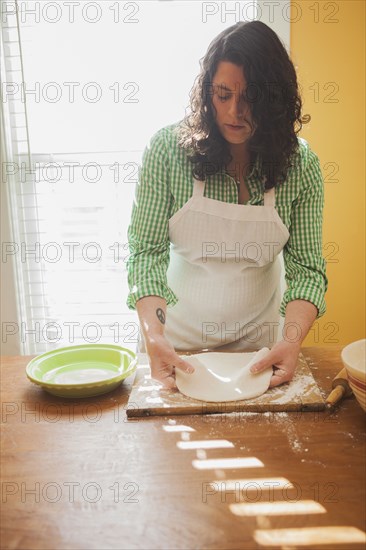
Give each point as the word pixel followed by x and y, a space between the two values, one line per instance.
pixel 82 371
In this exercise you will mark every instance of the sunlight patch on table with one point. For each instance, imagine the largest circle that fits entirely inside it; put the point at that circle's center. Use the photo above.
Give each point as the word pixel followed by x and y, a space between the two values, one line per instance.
pixel 278 508
pixel 305 536
pixel 205 444
pixel 223 463
pixel 252 484
pixel 178 428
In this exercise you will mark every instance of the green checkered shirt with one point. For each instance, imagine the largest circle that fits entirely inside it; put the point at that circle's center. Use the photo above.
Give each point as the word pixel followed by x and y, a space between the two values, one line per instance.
pixel 165 184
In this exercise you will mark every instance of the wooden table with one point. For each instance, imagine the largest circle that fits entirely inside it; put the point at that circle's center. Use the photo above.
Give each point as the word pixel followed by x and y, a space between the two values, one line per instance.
pixel 79 475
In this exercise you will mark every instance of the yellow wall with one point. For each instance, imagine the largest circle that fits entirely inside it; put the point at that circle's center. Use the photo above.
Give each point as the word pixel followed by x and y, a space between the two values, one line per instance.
pixel 333 52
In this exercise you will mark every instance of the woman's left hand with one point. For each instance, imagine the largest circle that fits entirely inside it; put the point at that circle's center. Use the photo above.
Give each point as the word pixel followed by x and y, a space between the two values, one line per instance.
pixel 283 357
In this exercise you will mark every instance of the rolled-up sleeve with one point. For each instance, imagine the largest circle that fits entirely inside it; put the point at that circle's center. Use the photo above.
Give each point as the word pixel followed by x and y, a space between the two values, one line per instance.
pixel 305 267
pixel 148 232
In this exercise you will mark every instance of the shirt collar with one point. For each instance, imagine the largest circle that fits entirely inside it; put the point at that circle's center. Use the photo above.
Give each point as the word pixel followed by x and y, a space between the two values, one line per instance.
pixel 257 166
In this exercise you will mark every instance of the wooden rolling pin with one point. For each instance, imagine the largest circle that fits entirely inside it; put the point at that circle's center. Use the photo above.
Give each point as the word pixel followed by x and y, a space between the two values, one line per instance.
pixel 340 389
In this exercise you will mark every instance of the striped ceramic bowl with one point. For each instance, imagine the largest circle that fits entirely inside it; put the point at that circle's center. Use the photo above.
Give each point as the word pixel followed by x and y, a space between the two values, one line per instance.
pixel 354 359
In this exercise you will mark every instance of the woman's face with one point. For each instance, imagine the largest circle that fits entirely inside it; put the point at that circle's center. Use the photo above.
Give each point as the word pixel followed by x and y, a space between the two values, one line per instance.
pixel 233 116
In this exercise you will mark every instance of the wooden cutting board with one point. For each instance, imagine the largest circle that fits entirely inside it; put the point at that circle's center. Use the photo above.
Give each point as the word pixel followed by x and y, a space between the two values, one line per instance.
pixel 148 399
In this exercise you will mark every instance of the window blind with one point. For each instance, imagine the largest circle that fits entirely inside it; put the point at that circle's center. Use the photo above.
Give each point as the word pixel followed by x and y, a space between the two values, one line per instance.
pixel 71 167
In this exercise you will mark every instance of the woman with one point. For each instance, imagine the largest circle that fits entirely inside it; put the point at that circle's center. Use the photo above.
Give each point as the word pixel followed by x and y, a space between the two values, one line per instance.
pixel 220 194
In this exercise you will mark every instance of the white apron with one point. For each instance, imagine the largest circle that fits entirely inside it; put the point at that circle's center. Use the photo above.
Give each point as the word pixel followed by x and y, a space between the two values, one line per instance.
pixel 225 271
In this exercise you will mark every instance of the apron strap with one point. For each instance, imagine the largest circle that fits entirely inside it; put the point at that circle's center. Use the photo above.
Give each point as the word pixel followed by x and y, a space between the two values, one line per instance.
pixel 198 188
pixel 269 197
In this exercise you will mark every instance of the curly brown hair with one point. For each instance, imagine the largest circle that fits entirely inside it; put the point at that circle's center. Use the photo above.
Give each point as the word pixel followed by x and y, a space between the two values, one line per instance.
pixel 272 93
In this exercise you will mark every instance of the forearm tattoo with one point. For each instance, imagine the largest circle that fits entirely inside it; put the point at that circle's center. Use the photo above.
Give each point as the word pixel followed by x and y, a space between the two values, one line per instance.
pixel 160 315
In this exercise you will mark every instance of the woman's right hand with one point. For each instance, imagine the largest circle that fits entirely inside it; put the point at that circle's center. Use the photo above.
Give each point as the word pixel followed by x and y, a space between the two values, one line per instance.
pixel 164 360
